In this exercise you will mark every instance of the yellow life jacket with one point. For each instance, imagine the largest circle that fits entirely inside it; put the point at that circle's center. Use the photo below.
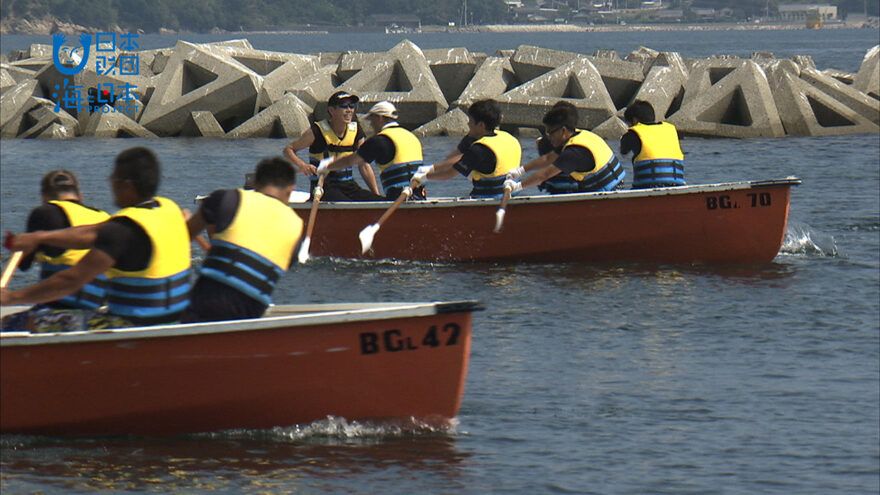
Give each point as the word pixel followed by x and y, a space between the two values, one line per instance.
pixel 507 150
pixel 91 295
pixel 77 215
pixel 335 148
pixel 407 158
pixel 508 154
pixel 659 141
pixel 159 292
pixel 660 163
pixel 256 248
pixel 265 226
pixel 602 153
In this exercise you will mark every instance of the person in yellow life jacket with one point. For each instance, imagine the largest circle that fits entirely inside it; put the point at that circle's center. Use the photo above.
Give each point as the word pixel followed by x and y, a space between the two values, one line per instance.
pixel 397 152
pixel 62 208
pixel 336 137
pixel 657 157
pixel 254 234
pixel 583 161
pixel 485 155
pixel 144 249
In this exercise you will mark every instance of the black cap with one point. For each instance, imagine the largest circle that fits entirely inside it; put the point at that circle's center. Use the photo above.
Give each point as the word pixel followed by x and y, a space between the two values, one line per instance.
pixel 339 96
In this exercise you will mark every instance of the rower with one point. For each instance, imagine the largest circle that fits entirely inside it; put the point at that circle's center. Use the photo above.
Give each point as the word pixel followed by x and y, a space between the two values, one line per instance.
pixel 581 161
pixel 396 150
pixel 336 137
pixel 143 249
pixel 485 155
pixel 657 157
pixel 253 236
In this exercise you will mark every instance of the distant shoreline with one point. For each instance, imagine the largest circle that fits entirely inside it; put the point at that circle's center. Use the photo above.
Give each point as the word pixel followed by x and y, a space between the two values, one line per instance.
pixel 50 26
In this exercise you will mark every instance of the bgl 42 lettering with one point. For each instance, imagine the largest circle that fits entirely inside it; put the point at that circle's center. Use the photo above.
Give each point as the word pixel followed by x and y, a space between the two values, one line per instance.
pixel 395 341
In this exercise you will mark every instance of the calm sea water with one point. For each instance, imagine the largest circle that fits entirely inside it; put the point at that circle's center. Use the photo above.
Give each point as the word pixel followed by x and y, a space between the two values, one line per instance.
pixel 584 378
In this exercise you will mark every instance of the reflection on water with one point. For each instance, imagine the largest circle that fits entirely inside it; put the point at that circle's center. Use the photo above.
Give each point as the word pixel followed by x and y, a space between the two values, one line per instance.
pixel 292 458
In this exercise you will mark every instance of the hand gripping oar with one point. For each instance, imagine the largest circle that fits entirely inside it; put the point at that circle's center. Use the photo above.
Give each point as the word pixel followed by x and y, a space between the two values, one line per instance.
pixel 303 254
pixel 502 209
pixel 367 234
pixel 13 262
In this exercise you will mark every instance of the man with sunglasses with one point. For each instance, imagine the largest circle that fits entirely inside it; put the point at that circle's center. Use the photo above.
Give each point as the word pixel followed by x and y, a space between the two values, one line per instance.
pixel 485 155
pixel 396 150
pixel 336 137
pixel 580 161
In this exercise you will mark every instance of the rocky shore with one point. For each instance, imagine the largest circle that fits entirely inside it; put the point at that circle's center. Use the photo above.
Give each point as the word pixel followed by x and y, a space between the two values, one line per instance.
pixel 229 89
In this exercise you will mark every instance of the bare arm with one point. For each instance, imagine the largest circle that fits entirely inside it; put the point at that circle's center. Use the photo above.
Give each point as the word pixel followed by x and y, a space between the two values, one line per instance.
pixel 369 177
pixel 541 162
pixel 300 143
pixel 63 283
pixel 541 175
pixel 442 169
pixel 366 170
pixel 81 237
pixel 444 174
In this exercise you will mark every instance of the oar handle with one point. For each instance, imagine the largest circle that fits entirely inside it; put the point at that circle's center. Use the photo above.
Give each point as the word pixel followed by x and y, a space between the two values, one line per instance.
pixel 502 209
pixel 313 213
pixel 505 199
pixel 10 268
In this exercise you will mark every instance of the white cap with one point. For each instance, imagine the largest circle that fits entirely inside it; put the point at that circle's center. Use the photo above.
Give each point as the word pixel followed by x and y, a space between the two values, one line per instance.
pixel 385 109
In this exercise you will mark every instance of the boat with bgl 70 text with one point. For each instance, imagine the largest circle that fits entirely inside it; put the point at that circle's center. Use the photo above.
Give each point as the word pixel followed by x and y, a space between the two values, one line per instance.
pixel 734 222
pixel 403 363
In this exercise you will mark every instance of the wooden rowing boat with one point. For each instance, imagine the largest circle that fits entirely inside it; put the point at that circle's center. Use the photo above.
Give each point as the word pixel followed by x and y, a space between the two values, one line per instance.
pixel 299 363
pixel 736 222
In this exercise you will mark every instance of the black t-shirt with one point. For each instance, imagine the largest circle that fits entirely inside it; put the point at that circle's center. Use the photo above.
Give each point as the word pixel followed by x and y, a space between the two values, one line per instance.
pixel 476 157
pixel 126 242
pixel 219 208
pixel 575 159
pixel 379 149
pixel 545 146
pixel 630 142
pixel 47 216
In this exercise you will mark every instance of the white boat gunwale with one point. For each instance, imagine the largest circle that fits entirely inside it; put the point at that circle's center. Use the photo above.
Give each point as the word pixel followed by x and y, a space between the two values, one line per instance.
pixel 447 202
pixel 305 315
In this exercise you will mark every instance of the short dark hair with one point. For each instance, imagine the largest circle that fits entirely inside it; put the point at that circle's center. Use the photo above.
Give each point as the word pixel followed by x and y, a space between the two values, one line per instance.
pixel 140 166
pixel 565 104
pixel 486 111
pixel 561 116
pixel 275 171
pixel 58 182
pixel 641 110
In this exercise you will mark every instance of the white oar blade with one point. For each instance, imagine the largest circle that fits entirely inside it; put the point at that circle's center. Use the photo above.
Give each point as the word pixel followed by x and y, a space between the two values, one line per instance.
pixel 303 254
pixel 366 237
pixel 499 219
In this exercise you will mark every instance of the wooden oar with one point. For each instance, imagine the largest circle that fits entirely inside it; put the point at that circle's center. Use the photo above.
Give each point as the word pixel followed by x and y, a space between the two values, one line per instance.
pixel 367 234
pixel 203 243
pixel 502 209
pixel 10 268
pixel 303 254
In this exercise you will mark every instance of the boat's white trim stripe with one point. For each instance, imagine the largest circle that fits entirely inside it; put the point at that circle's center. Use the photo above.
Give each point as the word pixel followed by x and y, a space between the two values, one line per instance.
pixel 561 198
pixel 309 315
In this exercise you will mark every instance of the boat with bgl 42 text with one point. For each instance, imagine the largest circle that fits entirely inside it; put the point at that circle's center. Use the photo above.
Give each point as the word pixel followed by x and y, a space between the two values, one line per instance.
pixel 403 363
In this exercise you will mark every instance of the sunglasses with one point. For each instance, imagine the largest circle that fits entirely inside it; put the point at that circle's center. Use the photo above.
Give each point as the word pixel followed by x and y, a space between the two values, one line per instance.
pixel 346 105
pixel 549 132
